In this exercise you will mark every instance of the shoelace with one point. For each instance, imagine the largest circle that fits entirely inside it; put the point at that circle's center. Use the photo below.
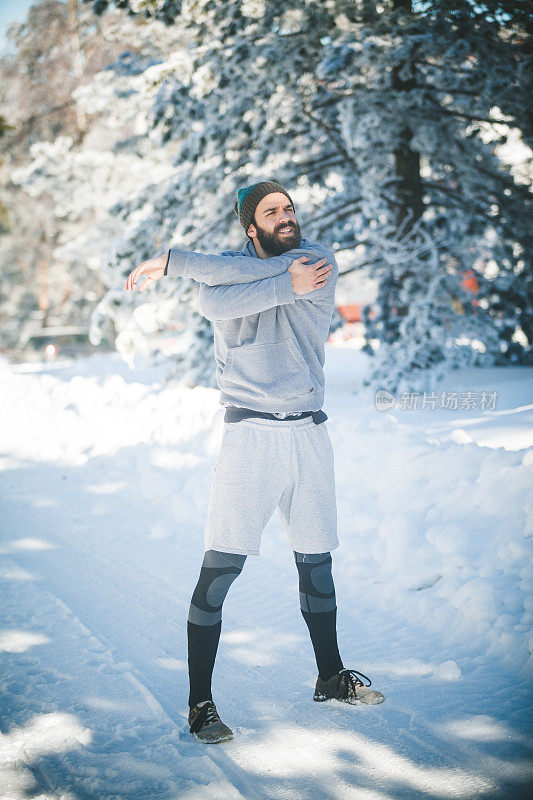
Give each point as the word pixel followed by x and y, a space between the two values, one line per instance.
pixel 348 676
pixel 208 713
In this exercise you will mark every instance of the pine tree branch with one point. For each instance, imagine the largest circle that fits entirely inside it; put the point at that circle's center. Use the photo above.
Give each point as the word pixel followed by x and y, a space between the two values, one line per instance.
pixel 356 267
pixel 334 210
pixel 338 217
pixel 442 187
pixel 327 102
pixel 452 90
pixel 446 67
pixel 461 114
pixel 499 177
pixel 315 161
pixel 332 135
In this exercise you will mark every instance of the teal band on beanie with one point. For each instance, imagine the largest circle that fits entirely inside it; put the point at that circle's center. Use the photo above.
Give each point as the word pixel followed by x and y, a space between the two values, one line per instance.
pixel 242 193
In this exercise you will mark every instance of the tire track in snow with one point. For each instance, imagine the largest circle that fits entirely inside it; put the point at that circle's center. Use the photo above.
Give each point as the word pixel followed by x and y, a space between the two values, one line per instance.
pixel 133 655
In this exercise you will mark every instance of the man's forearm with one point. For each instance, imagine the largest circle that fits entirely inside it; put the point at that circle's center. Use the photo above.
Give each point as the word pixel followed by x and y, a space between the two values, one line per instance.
pixel 242 299
pixel 225 269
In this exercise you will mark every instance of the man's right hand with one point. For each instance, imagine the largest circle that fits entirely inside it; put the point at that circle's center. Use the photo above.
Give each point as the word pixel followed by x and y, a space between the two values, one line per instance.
pixel 153 269
pixel 306 278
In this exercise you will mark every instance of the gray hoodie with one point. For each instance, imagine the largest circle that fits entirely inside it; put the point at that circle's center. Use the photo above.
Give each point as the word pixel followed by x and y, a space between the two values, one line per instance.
pixel 269 342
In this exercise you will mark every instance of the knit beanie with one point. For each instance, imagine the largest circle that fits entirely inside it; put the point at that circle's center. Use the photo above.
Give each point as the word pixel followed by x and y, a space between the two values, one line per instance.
pixel 249 198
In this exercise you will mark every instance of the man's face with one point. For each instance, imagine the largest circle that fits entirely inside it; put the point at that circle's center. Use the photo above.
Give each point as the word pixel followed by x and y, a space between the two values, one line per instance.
pixel 275 224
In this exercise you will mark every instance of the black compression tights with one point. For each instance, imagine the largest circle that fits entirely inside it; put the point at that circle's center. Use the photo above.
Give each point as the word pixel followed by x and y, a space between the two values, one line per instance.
pixel 217 573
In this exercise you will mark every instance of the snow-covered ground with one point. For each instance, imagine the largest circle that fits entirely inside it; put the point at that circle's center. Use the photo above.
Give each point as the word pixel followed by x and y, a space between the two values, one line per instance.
pixel 104 482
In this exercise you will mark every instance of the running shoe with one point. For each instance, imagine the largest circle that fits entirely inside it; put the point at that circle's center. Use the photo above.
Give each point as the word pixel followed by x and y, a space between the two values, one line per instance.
pixel 205 724
pixel 348 688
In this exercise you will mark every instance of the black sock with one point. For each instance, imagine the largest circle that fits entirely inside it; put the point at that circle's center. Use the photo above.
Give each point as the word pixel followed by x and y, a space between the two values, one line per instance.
pixel 202 641
pixel 323 630
pixel 217 573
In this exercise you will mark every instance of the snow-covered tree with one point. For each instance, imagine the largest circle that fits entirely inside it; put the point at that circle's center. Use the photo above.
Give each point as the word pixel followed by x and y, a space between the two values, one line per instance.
pixel 378 120
pixel 231 120
pixel 450 85
pixel 377 115
pixel 56 49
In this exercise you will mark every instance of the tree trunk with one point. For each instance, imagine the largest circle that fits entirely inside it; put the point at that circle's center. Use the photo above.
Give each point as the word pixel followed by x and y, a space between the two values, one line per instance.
pixel 407 161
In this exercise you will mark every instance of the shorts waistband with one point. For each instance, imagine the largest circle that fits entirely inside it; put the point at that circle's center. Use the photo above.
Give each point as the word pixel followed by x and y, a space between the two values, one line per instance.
pixel 236 413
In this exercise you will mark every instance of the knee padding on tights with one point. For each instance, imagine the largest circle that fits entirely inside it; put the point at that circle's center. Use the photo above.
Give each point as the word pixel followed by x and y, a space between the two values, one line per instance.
pixel 217 573
pixel 317 590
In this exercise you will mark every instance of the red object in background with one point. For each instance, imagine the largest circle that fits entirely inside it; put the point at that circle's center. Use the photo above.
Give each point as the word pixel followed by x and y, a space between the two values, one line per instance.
pixel 350 312
pixel 470 284
pixel 353 312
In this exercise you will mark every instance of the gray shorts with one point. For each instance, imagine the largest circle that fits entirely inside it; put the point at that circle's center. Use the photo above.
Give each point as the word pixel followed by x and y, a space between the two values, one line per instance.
pixel 267 464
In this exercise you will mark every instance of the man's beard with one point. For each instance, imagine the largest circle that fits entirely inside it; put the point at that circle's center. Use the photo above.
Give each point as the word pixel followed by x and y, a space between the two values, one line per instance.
pixel 274 244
